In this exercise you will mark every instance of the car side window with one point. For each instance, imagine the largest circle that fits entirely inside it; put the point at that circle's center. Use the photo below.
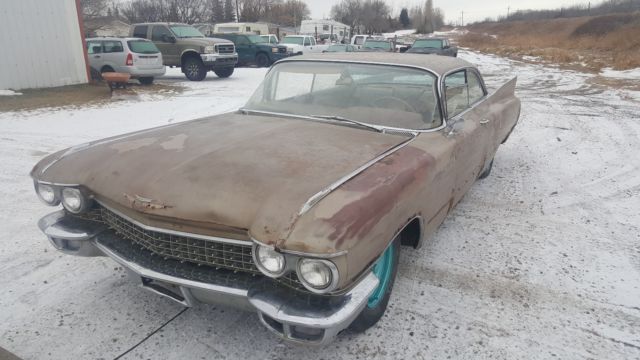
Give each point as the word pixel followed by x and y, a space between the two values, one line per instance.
pixel 313 41
pixel 242 40
pixel 456 93
pixel 94 47
pixel 307 42
pixel 160 33
pixel 140 31
pixel 476 92
pixel 112 46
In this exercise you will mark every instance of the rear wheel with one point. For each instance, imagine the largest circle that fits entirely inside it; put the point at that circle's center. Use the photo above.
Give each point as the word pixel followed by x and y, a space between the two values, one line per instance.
pixel 146 80
pixel 106 69
pixel 385 269
pixel 224 72
pixel 262 60
pixel 194 69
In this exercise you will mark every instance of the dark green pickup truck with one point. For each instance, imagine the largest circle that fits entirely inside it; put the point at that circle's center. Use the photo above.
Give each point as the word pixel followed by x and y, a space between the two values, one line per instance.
pixel 252 49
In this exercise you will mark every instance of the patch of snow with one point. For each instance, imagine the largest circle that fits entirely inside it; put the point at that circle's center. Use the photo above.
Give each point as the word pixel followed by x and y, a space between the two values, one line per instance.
pixel 632 74
pixel 399 33
pixel 9 93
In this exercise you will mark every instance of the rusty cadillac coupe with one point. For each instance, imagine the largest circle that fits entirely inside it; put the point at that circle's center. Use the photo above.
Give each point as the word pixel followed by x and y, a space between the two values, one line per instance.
pixel 296 205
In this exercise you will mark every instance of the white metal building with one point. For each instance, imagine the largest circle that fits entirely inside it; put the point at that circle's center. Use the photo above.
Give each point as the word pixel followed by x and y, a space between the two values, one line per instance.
pixel 41 44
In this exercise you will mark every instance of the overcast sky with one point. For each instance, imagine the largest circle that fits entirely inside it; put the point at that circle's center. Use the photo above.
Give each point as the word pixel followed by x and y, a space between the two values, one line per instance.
pixel 473 9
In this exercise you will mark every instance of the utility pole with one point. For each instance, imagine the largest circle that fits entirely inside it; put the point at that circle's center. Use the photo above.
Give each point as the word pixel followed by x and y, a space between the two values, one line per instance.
pixel 462 17
pixel 237 12
pixel 589 8
pixel 508 11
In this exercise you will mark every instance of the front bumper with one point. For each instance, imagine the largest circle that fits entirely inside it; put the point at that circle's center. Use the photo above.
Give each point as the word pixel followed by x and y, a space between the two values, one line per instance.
pixel 295 316
pixel 219 60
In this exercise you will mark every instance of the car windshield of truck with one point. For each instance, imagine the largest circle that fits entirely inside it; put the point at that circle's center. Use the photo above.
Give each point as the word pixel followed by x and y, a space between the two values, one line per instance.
pixel 256 39
pixel 292 40
pixel 428 43
pixel 142 47
pixel 185 31
pixel 379 95
pixel 373 44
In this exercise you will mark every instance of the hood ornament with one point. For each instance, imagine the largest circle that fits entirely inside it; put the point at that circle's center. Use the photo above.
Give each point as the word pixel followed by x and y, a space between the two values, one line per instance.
pixel 138 202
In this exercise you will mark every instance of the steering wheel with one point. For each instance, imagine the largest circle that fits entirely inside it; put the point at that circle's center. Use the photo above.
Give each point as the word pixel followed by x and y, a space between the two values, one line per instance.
pixel 387 101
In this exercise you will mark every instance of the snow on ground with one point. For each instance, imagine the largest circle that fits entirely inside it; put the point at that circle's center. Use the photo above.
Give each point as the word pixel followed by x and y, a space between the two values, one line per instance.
pixel 399 33
pixel 9 93
pixel 632 74
pixel 540 260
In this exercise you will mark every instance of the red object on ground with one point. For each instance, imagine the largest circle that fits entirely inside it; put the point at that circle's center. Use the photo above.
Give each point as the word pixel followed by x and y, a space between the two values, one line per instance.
pixel 116 80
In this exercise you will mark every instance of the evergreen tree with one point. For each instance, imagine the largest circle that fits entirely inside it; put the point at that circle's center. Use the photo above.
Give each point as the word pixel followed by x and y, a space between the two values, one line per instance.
pixel 229 11
pixel 404 18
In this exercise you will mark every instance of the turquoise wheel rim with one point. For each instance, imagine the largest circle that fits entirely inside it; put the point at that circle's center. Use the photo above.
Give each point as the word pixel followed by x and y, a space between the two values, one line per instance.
pixel 382 270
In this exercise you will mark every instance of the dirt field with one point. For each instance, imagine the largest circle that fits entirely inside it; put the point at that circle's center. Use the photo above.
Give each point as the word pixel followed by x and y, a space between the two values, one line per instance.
pixel 586 43
pixel 539 261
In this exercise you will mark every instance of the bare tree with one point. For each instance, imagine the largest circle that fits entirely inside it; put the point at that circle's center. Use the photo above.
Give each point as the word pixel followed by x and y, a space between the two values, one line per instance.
pixel 93 8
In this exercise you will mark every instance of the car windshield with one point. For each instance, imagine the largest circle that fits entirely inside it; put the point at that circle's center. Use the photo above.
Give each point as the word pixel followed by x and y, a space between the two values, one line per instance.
pixel 185 31
pixel 428 43
pixel 373 44
pixel 337 48
pixel 383 95
pixel 292 40
pixel 142 47
pixel 256 39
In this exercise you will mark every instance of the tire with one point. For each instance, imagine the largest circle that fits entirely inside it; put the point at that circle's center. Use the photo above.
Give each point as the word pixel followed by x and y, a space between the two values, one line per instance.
pixel 224 72
pixel 377 304
pixel 262 60
pixel 485 174
pixel 146 80
pixel 194 69
pixel 106 69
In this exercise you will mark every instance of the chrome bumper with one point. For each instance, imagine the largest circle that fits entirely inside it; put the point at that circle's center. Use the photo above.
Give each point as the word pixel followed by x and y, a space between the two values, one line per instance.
pixel 294 316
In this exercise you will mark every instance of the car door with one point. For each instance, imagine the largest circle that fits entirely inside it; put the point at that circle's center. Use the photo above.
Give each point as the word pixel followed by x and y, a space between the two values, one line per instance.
pixel 113 55
pixel 243 48
pixel 165 41
pixel 94 53
pixel 468 125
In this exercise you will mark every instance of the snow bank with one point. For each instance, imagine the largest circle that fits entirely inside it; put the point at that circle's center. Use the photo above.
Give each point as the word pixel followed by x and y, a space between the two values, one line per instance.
pixel 632 74
pixel 9 93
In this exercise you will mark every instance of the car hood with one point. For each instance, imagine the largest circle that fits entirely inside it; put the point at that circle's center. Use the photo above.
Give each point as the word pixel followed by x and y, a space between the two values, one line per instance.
pixel 245 172
pixel 204 41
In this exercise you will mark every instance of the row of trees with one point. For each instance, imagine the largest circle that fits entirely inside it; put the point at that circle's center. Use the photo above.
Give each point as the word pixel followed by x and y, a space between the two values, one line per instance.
pixel 284 12
pixel 374 16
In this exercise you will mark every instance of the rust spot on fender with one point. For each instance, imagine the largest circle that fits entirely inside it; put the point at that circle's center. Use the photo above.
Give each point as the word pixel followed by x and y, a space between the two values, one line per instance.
pixel 379 187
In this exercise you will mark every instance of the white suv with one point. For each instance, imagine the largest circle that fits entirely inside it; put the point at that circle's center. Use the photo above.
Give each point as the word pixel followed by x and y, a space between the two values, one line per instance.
pixel 138 57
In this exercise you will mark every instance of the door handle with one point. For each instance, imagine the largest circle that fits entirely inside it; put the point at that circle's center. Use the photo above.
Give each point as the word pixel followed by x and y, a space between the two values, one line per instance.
pixel 484 121
pixel 97 56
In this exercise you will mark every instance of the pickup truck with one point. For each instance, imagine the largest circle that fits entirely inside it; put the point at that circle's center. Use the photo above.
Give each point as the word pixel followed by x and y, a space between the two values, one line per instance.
pixel 252 49
pixel 302 44
pixel 185 46
pixel 437 46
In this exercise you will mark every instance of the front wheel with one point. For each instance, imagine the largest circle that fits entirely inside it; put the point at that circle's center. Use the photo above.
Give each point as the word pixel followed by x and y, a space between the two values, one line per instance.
pixel 224 72
pixel 146 80
pixel 385 269
pixel 262 60
pixel 194 69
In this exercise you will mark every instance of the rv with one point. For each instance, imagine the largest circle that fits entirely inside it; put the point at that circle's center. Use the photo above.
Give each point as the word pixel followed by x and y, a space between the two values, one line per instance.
pixel 325 30
pixel 242 28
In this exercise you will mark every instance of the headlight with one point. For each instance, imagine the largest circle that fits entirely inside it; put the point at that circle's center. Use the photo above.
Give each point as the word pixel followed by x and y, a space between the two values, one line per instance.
pixel 274 50
pixel 269 261
pixel 74 201
pixel 319 276
pixel 290 49
pixel 47 194
pixel 209 49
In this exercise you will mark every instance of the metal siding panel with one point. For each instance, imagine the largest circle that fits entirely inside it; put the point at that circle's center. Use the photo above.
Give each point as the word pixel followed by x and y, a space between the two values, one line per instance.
pixel 42 44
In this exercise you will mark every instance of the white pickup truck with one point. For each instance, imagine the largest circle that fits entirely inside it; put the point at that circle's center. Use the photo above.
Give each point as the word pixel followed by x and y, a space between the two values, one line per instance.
pixel 302 44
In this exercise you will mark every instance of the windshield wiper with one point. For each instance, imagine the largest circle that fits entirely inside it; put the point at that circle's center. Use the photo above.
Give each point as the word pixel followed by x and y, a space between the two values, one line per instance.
pixel 355 122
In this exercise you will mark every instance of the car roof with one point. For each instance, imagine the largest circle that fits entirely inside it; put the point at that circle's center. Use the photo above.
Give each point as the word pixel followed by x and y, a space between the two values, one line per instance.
pixel 438 64
pixel 114 38
pixel 160 23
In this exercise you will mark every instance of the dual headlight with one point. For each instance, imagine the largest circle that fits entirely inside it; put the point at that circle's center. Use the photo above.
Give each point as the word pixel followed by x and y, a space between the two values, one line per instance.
pixel 317 275
pixel 72 198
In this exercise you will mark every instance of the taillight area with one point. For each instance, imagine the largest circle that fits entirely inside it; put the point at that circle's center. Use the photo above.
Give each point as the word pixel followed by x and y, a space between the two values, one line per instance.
pixel 129 59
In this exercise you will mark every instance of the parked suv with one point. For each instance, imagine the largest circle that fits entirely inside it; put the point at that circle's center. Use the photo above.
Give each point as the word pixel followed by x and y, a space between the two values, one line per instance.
pixel 138 57
pixel 252 49
pixel 184 46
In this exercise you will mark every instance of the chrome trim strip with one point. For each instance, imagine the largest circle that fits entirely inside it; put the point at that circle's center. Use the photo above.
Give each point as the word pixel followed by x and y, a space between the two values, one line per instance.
pixel 175 232
pixel 300 253
pixel 322 193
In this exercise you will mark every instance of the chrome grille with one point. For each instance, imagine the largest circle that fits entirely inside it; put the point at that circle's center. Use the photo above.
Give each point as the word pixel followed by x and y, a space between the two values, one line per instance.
pixel 225 49
pixel 185 249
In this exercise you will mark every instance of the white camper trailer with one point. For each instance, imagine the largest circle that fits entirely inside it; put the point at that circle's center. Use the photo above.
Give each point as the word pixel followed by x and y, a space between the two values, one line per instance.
pixel 325 30
pixel 242 28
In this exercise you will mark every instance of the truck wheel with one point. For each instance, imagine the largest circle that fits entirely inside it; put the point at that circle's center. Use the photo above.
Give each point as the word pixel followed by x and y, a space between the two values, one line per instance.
pixel 262 60
pixel 194 69
pixel 224 72
pixel 146 80
pixel 385 268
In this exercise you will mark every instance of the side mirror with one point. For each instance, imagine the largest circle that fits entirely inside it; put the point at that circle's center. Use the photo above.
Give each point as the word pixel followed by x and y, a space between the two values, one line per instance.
pixel 446 47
